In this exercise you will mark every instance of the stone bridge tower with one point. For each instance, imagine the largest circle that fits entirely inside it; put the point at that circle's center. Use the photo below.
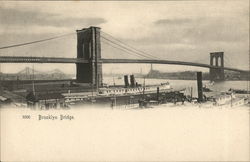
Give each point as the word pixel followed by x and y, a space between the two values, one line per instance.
pixel 89 48
pixel 217 59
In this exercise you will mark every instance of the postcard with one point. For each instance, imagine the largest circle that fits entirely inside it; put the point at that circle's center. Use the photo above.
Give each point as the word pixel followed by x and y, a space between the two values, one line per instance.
pixel 124 80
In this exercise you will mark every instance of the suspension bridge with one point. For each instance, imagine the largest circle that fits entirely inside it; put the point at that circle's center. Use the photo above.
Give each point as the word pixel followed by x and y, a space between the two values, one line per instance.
pixel 89 61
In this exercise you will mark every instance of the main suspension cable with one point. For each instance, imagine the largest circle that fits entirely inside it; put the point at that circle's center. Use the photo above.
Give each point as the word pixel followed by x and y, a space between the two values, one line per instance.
pixel 37 41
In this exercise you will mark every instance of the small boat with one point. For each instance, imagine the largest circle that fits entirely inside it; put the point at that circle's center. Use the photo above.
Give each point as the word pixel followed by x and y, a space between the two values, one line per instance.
pixel 239 91
pixel 210 83
pixel 206 89
pixel 229 100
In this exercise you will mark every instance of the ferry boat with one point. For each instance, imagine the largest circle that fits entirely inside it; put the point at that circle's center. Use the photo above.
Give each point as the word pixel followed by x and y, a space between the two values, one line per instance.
pixel 117 91
pixel 121 95
pixel 107 91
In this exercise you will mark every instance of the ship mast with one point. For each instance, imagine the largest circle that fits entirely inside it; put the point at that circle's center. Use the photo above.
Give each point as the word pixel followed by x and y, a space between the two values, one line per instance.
pixel 33 84
pixel 143 92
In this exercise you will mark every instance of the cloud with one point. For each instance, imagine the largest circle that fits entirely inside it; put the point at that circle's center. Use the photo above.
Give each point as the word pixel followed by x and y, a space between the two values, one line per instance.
pixel 173 21
pixel 218 30
pixel 196 32
pixel 11 16
pixel 14 18
pixel 193 38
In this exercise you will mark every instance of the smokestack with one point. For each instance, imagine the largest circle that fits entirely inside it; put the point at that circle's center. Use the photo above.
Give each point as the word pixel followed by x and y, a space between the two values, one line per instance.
pixel 132 80
pixel 126 81
pixel 199 85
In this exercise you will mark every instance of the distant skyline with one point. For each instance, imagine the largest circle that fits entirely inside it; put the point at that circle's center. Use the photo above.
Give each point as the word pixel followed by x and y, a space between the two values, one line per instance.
pixel 173 30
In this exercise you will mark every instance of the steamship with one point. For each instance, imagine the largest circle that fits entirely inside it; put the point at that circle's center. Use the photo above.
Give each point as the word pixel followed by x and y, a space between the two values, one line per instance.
pixel 133 90
pixel 128 93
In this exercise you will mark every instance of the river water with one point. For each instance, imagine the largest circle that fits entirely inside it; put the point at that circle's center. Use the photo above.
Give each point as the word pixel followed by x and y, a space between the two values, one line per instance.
pixel 181 84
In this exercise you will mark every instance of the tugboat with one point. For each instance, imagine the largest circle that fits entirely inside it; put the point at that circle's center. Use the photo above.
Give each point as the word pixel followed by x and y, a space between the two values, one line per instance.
pixel 206 89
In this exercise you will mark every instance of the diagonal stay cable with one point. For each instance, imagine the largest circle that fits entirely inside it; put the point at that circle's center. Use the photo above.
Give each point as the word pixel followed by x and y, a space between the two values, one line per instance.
pixel 125 48
pixel 130 46
pixel 228 61
pixel 122 49
pixel 127 44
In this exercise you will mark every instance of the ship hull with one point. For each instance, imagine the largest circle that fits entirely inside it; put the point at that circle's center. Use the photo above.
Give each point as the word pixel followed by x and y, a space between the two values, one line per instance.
pixel 129 99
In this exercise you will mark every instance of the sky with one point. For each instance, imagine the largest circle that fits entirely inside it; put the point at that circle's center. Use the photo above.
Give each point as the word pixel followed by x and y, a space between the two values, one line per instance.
pixel 171 30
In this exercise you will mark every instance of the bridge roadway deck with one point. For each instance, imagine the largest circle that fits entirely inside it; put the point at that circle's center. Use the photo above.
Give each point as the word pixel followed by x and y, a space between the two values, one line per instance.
pixel 170 62
pixel 21 59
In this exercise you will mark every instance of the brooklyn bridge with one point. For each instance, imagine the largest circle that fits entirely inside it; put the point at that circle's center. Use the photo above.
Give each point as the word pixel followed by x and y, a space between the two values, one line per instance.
pixel 89 61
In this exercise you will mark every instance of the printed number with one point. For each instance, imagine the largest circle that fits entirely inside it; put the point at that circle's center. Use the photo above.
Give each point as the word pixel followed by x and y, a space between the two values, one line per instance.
pixel 26 116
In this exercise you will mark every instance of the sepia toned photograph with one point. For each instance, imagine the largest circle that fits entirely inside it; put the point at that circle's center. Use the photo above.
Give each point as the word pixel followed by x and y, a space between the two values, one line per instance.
pixel 124 80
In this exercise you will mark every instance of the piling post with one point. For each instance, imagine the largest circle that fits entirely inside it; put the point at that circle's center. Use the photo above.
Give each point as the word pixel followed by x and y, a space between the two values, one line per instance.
pixel 158 93
pixel 199 85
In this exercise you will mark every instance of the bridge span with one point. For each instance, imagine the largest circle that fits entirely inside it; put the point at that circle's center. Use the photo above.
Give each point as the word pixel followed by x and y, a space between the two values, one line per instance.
pixel 170 62
pixel 89 61
pixel 21 59
pixel 25 59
